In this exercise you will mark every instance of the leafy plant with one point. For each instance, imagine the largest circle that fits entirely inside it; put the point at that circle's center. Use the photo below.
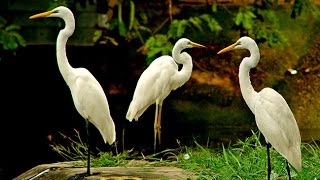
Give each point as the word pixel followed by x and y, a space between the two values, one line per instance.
pixel 245 18
pixel 10 37
pixel 262 23
pixel 301 6
pixel 137 26
pixel 160 44
pixel 268 28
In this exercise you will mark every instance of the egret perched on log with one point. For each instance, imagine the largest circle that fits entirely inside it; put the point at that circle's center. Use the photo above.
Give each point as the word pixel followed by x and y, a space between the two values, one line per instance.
pixel 272 113
pixel 88 95
pixel 158 80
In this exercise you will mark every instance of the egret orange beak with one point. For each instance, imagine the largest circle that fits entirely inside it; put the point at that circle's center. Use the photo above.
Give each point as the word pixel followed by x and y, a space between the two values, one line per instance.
pixel 229 48
pixel 197 45
pixel 40 15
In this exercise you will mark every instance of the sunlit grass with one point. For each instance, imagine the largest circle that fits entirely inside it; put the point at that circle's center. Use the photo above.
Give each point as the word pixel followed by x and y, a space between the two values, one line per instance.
pixel 248 160
pixel 243 160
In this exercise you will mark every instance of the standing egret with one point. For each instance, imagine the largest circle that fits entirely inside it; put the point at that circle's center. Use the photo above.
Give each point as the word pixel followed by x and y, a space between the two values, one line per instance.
pixel 272 113
pixel 88 95
pixel 158 80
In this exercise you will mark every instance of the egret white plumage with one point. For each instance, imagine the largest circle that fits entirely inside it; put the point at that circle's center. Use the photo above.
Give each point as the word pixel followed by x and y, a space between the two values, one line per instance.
pixel 158 80
pixel 88 95
pixel 273 116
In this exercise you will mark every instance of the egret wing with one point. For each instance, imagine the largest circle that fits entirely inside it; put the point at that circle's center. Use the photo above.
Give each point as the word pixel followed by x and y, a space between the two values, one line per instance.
pixel 278 125
pixel 91 102
pixel 152 84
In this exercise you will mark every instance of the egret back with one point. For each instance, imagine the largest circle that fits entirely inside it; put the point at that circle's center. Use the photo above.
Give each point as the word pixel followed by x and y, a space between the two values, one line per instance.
pixel 276 122
pixel 154 85
pixel 91 102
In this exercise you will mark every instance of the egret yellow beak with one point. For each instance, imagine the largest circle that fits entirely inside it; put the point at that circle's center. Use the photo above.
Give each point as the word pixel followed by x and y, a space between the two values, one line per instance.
pixel 229 48
pixel 197 45
pixel 40 15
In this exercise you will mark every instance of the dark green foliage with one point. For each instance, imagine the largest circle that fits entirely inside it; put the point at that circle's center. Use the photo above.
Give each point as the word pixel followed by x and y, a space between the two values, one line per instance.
pixel 10 38
pixel 178 27
pixel 158 44
pixel 261 23
pixel 245 18
pixel 302 6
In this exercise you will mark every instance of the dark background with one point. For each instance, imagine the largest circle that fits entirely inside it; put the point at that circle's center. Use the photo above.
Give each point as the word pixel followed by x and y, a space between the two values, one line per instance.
pixel 36 103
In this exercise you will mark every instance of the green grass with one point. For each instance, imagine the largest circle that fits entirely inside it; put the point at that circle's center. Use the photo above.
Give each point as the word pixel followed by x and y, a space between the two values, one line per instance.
pixel 243 160
pixel 248 160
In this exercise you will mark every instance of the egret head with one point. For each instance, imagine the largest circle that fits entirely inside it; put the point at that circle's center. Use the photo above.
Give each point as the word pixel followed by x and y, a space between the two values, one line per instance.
pixel 60 11
pixel 186 43
pixel 243 43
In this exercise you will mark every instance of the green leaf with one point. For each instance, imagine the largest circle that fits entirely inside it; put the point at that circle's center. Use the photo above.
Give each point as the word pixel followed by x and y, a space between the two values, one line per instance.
pixel 97 34
pixel 167 49
pixel 247 21
pixel 177 28
pixel 113 23
pixel 122 29
pixel 19 39
pixel 150 41
pixel 12 27
pixel 153 52
pixel 250 14
pixel 238 19
pixel 196 22
pixel 120 12
pixel 214 7
pixel 9 35
pixel 3 22
pixel 132 14
pixel 157 45
pixel 213 25
pixel 144 28
pixel 10 43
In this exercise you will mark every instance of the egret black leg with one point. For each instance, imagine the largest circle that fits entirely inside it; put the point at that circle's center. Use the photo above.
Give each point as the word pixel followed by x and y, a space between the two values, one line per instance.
pixel 123 134
pixel 88 144
pixel 288 170
pixel 269 163
pixel 81 176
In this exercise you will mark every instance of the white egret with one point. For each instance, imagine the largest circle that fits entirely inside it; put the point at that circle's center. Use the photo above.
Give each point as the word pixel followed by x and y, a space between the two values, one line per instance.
pixel 272 113
pixel 88 95
pixel 158 80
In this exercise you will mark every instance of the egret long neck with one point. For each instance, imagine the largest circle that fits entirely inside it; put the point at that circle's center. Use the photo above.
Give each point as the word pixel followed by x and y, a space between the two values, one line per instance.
pixel 247 90
pixel 63 64
pixel 185 59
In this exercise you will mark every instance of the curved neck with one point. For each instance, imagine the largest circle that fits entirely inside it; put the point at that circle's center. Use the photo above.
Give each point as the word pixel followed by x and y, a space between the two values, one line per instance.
pixel 185 59
pixel 247 90
pixel 63 64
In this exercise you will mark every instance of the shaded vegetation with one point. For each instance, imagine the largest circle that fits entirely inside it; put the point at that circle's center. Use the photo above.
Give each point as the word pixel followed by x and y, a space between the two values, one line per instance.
pixel 10 38
pixel 245 159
